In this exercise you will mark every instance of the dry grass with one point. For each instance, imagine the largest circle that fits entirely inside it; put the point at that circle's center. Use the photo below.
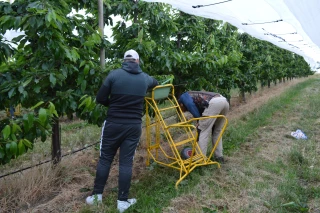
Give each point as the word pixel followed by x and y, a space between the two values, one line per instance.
pixel 47 189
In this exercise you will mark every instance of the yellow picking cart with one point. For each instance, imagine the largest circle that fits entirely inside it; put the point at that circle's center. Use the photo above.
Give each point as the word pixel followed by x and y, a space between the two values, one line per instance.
pixel 168 132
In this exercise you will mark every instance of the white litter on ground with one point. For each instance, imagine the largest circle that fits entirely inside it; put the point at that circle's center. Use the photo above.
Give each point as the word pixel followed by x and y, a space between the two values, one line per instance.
pixel 299 135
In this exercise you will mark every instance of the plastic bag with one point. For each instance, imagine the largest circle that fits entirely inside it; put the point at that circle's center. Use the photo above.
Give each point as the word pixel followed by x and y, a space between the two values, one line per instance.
pixel 299 135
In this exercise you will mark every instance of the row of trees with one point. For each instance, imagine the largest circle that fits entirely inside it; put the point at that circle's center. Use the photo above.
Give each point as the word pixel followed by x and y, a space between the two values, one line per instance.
pixel 55 61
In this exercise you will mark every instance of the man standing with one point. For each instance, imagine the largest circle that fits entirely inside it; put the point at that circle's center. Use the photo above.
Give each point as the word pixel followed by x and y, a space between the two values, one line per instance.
pixel 200 103
pixel 123 91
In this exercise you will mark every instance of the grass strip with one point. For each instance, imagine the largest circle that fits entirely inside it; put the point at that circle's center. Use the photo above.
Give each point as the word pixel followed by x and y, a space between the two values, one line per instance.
pixel 238 131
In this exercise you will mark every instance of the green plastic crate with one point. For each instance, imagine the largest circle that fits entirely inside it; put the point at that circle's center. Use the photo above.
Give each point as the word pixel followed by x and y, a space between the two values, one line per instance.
pixel 160 93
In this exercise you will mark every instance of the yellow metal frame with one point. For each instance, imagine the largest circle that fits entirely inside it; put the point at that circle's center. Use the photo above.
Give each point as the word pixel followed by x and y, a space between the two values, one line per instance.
pixel 164 144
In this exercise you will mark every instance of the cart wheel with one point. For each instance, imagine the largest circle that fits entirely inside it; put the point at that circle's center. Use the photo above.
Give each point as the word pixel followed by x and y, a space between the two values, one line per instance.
pixel 186 153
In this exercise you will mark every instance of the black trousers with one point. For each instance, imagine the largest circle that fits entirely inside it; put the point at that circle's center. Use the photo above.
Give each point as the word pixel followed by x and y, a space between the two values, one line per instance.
pixel 115 136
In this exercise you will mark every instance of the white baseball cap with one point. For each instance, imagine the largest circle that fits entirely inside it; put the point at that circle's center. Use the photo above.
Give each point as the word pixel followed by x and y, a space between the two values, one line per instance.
pixel 131 54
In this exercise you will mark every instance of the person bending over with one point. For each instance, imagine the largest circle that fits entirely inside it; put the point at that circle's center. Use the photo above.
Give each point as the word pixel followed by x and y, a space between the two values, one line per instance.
pixel 201 103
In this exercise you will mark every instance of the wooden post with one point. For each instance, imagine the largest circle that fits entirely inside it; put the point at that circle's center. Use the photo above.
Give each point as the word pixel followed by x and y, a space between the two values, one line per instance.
pixel 56 141
pixel 101 27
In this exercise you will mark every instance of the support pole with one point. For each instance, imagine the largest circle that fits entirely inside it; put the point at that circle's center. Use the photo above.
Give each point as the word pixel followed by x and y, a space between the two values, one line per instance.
pixel 56 141
pixel 101 27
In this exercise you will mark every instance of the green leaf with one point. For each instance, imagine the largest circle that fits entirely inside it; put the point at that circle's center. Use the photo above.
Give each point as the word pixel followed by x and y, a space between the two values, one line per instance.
pixel 4 19
pixel 42 116
pixel 21 147
pixel 88 43
pixel 49 17
pixel 45 66
pixel 96 38
pixel 38 104
pixel 68 54
pixel 54 16
pixel 75 55
pixel 21 89
pixel 12 92
pixel 8 148
pixel 15 127
pixel 27 143
pixel 82 63
pixel 13 148
pixel 63 4
pixel 13 137
pixel 288 204
pixel 6 132
pixel 24 94
pixel 51 107
pixel 36 89
pixel 24 84
pixel 83 85
pixel 86 69
pixel 84 101
pixel 53 79
pixel 83 97
pixel 26 125
pixel 30 120
pixel 89 101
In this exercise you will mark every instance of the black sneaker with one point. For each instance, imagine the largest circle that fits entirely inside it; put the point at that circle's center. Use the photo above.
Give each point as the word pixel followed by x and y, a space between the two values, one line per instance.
pixel 219 160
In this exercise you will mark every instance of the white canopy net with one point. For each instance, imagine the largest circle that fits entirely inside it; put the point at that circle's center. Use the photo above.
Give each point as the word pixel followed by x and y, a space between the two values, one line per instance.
pixel 289 24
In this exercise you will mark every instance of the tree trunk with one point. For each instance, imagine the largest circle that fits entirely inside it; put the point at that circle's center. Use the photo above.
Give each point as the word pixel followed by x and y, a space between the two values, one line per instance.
pixel 243 96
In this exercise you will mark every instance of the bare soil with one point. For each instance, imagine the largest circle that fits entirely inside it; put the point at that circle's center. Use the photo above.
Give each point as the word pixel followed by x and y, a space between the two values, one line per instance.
pixel 62 191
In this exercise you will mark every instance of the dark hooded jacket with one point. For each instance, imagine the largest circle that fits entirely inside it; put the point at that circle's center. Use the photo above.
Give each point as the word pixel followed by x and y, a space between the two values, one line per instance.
pixel 123 91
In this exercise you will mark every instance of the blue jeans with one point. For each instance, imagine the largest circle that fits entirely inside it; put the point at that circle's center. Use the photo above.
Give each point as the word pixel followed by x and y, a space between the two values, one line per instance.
pixel 115 136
